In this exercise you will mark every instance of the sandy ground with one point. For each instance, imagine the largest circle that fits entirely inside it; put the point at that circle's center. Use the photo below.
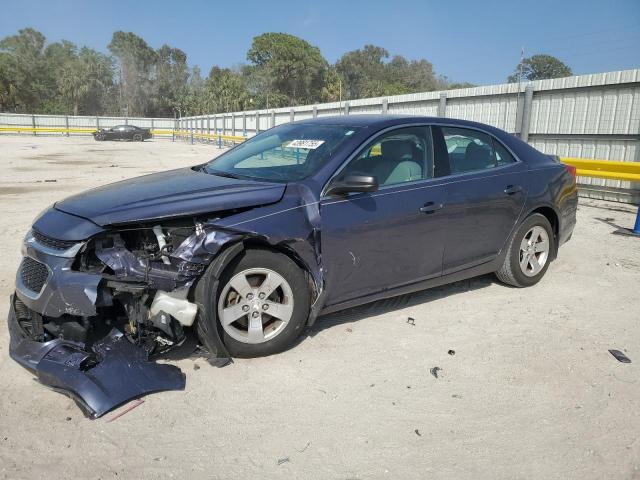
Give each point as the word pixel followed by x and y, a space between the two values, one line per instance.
pixel 531 391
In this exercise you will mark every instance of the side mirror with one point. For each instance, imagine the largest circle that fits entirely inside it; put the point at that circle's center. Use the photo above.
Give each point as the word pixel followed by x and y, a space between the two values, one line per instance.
pixel 353 184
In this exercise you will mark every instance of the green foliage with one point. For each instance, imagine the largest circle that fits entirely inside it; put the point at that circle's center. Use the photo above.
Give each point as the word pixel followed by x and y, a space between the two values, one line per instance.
pixel 55 79
pixel 293 67
pixel 369 73
pixel 540 67
pixel 137 80
pixel 136 61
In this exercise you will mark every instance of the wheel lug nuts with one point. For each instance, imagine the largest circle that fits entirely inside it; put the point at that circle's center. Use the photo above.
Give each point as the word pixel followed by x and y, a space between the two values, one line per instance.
pixel 261 296
pixel 249 296
pixel 255 314
pixel 245 308
pixel 265 307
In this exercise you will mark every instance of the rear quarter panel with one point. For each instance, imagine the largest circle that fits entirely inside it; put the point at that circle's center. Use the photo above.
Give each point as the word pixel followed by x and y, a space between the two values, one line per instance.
pixel 552 186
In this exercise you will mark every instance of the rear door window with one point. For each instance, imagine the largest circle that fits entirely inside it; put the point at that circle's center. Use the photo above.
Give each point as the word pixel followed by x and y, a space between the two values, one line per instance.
pixel 468 150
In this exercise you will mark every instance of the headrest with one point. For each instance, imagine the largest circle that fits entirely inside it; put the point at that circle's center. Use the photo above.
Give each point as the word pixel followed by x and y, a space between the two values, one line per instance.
pixel 397 150
pixel 477 153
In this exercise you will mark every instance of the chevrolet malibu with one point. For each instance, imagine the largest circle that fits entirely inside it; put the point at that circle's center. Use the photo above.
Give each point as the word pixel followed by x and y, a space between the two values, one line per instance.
pixel 303 219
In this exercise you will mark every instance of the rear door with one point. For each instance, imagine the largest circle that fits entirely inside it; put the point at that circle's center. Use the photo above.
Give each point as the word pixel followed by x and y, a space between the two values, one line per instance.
pixel 486 191
pixel 376 241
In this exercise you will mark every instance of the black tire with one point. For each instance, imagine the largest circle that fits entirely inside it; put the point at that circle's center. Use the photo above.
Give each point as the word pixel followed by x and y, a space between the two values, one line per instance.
pixel 99 137
pixel 297 280
pixel 511 273
pixel 137 137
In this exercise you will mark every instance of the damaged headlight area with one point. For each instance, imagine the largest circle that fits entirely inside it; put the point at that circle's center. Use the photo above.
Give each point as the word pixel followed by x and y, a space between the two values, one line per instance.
pixel 144 289
pixel 89 316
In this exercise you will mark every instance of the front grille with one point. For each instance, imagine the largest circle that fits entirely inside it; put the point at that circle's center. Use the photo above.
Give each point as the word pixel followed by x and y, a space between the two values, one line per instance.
pixel 33 274
pixel 52 242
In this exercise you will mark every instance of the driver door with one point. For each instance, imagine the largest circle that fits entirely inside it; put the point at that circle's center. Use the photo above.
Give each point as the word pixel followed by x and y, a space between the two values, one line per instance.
pixel 394 236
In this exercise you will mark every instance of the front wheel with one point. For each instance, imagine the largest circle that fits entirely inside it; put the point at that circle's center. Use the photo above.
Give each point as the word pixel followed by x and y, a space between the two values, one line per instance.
pixel 529 252
pixel 137 137
pixel 262 304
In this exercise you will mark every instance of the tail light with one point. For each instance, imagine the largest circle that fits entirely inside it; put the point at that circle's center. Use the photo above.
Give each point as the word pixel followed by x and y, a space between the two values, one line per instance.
pixel 572 170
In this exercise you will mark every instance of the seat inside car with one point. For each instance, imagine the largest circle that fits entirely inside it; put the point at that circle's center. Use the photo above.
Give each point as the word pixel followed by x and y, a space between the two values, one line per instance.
pixel 400 162
pixel 476 157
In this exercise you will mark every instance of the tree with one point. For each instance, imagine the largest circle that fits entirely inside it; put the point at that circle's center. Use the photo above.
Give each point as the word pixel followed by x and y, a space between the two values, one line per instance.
pixel 540 67
pixel 23 70
pixel 289 65
pixel 369 73
pixel 414 75
pixel 83 79
pixel 362 70
pixel 171 76
pixel 332 91
pixel 136 61
pixel 225 91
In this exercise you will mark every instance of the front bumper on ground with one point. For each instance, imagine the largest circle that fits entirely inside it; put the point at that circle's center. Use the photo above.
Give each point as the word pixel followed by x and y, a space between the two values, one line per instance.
pixel 111 373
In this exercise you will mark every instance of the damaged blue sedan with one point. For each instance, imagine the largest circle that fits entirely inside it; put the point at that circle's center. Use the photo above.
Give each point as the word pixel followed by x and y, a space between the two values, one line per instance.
pixel 249 249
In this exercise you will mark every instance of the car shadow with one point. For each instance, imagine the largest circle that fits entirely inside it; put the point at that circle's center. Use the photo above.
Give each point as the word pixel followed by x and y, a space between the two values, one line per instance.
pixel 392 304
pixel 609 222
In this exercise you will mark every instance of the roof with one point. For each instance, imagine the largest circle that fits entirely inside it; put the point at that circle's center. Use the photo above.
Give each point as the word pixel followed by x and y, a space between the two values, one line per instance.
pixel 379 121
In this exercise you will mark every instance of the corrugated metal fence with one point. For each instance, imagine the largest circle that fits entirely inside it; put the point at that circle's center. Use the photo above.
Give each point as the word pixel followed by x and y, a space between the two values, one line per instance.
pixel 69 122
pixel 589 116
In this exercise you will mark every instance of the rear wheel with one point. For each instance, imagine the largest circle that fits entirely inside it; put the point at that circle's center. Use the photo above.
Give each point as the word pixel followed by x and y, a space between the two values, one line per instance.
pixel 99 137
pixel 529 252
pixel 262 304
pixel 137 137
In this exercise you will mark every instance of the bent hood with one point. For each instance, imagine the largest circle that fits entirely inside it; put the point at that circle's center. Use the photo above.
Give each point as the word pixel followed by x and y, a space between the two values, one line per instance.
pixel 168 194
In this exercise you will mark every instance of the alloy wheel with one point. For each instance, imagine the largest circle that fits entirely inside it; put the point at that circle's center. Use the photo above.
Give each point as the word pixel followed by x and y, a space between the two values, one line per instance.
pixel 534 251
pixel 255 305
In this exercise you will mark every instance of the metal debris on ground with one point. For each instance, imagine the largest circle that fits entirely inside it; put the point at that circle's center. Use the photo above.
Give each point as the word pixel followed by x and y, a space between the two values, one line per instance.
pixel 134 404
pixel 418 432
pixel 305 447
pixel 434 371
pixel 621 357
pixel 283 460
pixel 411 321
pixel 451 352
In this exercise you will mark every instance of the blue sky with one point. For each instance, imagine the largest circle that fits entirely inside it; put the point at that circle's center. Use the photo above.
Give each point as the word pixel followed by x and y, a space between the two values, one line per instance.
pixel 477 41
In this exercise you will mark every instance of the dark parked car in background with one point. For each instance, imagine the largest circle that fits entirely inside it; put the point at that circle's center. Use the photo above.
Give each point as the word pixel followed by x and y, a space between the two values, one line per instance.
pixel 123 132
pixel 303 219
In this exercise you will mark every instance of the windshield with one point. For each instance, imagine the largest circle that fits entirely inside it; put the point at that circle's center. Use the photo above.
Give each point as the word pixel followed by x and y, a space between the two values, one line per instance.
pixel 286 153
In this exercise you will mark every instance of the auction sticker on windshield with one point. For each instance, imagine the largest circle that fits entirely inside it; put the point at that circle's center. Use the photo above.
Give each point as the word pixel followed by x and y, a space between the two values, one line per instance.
pixel 308 144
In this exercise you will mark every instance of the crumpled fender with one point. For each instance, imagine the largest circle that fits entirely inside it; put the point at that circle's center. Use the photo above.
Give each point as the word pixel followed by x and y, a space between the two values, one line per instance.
pixel 294 229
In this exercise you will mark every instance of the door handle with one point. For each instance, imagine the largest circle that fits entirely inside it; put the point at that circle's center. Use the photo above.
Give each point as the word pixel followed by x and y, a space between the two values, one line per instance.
pixel 431 207
pixel 511 189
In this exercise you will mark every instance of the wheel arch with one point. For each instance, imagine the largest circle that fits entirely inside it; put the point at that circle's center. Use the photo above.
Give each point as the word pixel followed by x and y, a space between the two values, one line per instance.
pixel 552 216
pixel 259 244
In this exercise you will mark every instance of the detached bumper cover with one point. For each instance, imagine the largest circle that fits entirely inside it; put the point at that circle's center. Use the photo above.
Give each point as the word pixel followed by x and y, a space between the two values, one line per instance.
pixel 113 372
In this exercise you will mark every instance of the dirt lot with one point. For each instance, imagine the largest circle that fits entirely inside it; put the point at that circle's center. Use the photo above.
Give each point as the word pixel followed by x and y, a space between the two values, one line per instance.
pixel 531 391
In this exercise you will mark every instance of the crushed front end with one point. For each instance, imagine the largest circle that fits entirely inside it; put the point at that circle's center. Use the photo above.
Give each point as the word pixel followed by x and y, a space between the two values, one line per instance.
pixel 88 315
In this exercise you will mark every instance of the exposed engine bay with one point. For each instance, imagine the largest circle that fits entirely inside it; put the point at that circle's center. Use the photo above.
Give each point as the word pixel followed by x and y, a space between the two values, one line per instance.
pixel 121 298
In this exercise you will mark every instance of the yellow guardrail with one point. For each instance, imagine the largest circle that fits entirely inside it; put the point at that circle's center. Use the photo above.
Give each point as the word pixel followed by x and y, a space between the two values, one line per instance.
pixel 608 169
pixel 177 133
pixel 210 136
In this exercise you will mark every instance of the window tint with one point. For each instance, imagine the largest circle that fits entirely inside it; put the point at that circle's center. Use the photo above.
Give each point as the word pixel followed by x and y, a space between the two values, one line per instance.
pixel 503 157
pixel 468 150
pixel 399 156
